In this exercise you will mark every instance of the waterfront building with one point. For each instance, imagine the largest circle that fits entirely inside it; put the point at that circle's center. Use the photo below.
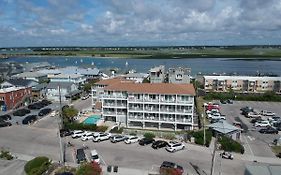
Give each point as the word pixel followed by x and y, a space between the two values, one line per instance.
pixel 245 84
pixel 35 76
pixel 160 106
pixel 157 74
pixel 179 75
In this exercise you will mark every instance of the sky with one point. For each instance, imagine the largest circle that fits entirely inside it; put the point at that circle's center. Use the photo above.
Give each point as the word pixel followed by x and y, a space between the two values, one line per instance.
pixel 25 23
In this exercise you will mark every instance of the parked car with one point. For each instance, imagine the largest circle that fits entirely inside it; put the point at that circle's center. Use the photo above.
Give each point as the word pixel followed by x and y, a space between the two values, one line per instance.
pixel 101 137
pixel 29 119
pixel 5 117
pixel 46 102
pixel 274 119
pixel 229 101
pixel 118 138
pixel 146 141
pixel 226 155
pixel 44 111
pixel 159 144
pixel 253 115
pixel 95 157
pixel 87 136
pixel 174 146
pixel 267 113
pixel 21 112
pixel 77 134
pixel 5 124
pixel 246 110
pixel 268 130
pixel 80 156
pixel 254 120
pixel 65 132
pixel 218 116
pixel 223 101
pixel 167 166
pixel 132 139
pixel 263 123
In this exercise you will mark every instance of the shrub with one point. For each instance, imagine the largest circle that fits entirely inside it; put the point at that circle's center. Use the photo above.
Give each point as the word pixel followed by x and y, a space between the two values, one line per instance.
pixel 149 135
pixel 199 137
pixel 81 126
pixel 89 169
pixel 228 144
pixel 116 130
pixel 37 166
pixel 169 136
pixel 6 155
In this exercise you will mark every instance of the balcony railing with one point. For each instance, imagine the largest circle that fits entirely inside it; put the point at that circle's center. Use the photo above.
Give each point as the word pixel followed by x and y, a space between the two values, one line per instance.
pixel 109 112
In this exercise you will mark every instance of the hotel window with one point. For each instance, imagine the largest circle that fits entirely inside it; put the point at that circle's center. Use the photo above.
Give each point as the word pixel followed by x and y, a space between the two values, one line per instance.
pixel 2 98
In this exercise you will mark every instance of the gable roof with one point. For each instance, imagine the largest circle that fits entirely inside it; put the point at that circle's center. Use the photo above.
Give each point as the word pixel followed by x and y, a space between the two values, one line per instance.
pixel 22 82
pixel 223 127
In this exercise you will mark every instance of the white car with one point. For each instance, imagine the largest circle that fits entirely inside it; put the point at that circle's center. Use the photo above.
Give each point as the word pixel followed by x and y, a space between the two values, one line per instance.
pixel 132 139
pixel 77 134
pixel 95 157
pixel 101 137
pixel 218 116
pixel 262 123
pixel 174 146
pixel 253 115
pixel 85 97
pixel 87 136
pixel 267 113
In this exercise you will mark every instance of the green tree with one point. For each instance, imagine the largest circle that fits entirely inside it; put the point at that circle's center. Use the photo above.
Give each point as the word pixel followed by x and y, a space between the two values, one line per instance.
pixel 149 135
pixel 89 169
pixel 69 113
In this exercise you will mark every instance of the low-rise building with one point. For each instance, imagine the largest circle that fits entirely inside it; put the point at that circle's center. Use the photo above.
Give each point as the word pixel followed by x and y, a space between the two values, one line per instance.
pixel 35 76
pixel 68 78
pixel 157 106
pixel 13 97
pixel 224 128
pixel 19 83
pixel 249 84
pixel 55 90
pixel 179 75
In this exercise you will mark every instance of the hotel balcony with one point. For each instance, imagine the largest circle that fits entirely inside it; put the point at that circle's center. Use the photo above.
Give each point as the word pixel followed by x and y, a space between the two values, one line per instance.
pixel 109 112
pixel 135 109
pixel 116 96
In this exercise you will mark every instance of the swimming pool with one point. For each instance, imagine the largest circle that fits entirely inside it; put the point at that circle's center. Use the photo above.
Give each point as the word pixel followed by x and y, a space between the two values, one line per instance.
pixel 93 119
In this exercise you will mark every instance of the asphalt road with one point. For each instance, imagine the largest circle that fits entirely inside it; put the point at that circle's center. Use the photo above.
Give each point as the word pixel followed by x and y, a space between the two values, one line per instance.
pixel 14 167
pixel 254 142
pixel 83 104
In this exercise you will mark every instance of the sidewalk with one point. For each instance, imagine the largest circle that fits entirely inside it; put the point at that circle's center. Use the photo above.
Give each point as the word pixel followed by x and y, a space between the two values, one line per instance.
pixel 123 171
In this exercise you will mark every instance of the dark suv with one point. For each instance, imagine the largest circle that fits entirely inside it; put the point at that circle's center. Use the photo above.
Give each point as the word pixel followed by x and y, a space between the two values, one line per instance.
pixel 146 141
pixel 170 166
pixel 159 144
pixel 29 119
pixel 80 156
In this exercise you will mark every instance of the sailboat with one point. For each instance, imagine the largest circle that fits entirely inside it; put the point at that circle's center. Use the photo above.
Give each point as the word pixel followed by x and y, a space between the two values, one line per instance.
pixel 126 64
pixel 93 63
pixel 81 60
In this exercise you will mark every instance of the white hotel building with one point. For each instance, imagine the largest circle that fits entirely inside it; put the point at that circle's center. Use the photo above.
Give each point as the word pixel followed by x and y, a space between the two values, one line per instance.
pixel 161 106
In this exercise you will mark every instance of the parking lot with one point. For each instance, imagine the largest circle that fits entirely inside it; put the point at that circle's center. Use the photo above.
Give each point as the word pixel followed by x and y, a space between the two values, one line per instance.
pixel 255 143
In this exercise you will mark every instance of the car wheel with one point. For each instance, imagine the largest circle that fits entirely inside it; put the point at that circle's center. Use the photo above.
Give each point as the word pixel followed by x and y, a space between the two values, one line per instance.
pixel 99 140
pixel 183 147
pixel 174 150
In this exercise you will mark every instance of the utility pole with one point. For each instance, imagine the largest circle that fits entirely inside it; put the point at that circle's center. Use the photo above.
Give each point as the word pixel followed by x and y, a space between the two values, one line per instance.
pixel 214 157
pixel 59 128
pixel 204 132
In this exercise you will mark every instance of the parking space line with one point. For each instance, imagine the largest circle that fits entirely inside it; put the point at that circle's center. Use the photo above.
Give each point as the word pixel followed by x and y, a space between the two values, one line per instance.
pixel 249 147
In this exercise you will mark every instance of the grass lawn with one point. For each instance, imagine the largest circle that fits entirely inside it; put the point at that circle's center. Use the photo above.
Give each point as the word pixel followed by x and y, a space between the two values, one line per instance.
pixel 276 149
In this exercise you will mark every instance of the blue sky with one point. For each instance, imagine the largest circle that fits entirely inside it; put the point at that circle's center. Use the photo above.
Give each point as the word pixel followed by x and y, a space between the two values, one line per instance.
pixel 139 22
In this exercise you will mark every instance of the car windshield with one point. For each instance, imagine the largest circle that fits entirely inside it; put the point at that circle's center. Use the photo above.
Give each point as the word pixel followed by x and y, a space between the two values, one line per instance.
pixel 95 156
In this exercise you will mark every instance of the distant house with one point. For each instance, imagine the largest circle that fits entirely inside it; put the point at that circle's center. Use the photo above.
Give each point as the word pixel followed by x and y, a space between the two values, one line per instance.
pixel 224 128
pixel 39 91
pixel 137 77
pixel 89 73
pixel 70 78
pixel 28 67
pixel 65 89
pixel 35 76
pixel 157 74
pixel 19 83
pixel 179 75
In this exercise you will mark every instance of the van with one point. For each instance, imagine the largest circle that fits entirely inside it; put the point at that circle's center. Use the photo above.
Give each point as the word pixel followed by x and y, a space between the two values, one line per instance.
pixel 95 157
pixel 80 156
